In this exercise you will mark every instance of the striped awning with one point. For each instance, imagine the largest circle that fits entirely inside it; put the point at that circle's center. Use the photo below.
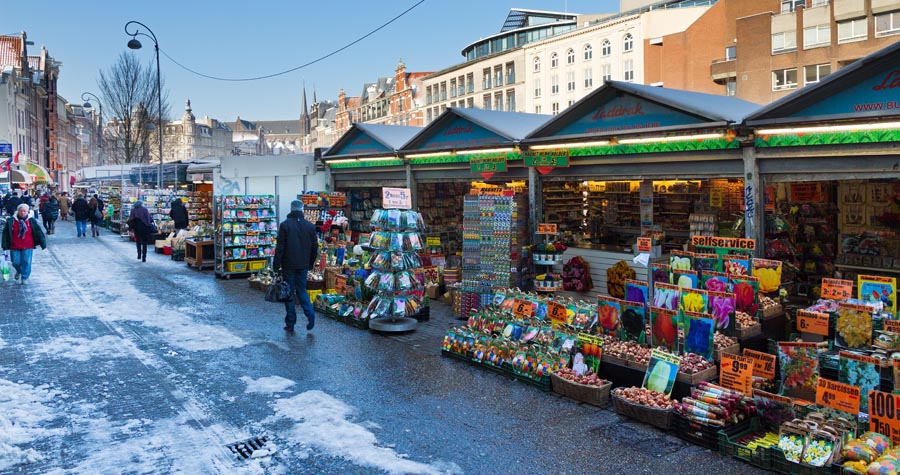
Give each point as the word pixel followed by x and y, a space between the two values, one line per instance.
pixel 41 175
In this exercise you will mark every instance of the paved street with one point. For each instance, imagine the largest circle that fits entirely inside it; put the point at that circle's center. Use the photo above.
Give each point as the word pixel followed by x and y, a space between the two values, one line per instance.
pixel 111 366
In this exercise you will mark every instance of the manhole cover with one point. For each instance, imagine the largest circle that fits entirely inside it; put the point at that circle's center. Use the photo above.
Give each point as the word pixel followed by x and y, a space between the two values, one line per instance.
pixel 244 449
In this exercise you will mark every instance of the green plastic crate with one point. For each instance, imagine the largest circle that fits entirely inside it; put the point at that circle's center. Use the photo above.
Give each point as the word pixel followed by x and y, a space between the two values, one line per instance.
pixel 759 457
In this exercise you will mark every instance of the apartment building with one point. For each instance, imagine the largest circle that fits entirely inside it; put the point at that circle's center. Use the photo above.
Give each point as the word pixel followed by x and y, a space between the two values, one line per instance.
pixel 191 138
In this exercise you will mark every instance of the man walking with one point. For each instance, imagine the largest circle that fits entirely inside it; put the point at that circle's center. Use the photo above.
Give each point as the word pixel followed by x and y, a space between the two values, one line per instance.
pixel 296 251
pixel 82 213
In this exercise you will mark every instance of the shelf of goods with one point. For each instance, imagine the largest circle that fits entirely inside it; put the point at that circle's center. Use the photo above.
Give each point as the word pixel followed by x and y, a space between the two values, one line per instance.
pixel 441 205
pixel 198 206
pixel 159 203
pixel 363 202
pixel 112 196
pixel 124 214
pixel 246 228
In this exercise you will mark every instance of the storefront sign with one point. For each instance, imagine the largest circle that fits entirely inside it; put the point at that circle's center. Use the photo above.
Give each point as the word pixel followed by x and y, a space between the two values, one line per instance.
pixel 812 322
pixel 522 308
pixel 361 144
pixel 488 164
pixel 875 95
pixel 736 372
pixel 396 198
pixel 644 244
pixel 724 242
pixel 460 133
pixel 546 228
pixel 763 363
pixel 876 288
pixel 557 313
pixel 626 113
pixel 545 158
pixel 806 192
pixel 884 414
pixel 836 289
pixel 716 197
pixel 839 396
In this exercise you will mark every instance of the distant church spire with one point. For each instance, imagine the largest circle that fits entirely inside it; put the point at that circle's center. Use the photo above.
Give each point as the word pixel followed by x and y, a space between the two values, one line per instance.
pixel 304 114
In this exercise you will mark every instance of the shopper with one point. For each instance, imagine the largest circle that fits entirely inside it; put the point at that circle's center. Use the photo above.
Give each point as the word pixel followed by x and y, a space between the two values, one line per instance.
pixel 95 215
pixel 82 213
pixel 21 235
pixel 296 250
pixel 141 225
pixel 179 215
pixel 26 198
pixel 12 203
pixel 41 203
pixel 50 214
pixel 64 206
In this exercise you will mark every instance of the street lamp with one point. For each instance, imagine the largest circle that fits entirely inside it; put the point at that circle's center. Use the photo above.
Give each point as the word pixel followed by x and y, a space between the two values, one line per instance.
pixel 86 97
pixel 133 43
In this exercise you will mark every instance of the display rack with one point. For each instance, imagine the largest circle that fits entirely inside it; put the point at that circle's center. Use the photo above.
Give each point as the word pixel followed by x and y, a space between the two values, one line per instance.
pixel 440 205
pixel 246 227
pixel 112 195
pixel 363 202
pixel 321 207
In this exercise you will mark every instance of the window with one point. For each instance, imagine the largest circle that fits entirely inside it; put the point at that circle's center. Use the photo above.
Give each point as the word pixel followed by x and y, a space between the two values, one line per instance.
pixel 510 73
pixel 606 50
pixel 554 85
pixel 470 103
pixel 486 102
pixel 606 72
pixel 498 76
pixel 537 109
pixel 784 42
pixel 815 73
pixel 537 64
pixel 783 79
pixel 470 83
pixel 628 66
pixel 571 101
pixel 570 56
pixel 819 3
pixel 554 108
pixel 588 78
pixel 628 42
pixel 852 30
pixel 554 60
pixel 588 53
pixel 510 101
pixel 787 6
pixel 570 81
pixel 537 88
pixel 887 24
pixel 498 101
pixel 730 53
pixel 453 88
pixel 816 36
pixel 486 79
pixel 730 87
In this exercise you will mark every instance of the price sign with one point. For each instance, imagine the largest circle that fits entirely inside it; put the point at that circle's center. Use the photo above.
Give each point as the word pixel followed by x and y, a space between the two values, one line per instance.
pixel 736 372
pixel 557 313
pixel 644 244
pixel 546 228
pixel 884 414
pixel 433 242
pixel 835 395
pixel 715 197
pixel 522 308
pixel 812 322
pixel 396 198
pixel 340 284
pixel 837 289
pixel 892 326
pixel 763 363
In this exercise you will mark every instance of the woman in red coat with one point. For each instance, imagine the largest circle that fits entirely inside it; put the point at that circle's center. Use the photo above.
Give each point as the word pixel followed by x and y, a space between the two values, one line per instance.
pixel 21 235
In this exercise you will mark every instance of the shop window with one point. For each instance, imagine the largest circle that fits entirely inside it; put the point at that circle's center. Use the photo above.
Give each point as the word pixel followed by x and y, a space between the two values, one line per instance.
pixel 852 30
pixel 784 42
pixel 554 60
pixel 887 24
pixel 628 42
pixel 554 108
pixel 815 73
pixel 570 56
pixel 570 81
pixel 816 36
pixel 606 72
pixel 554 85
pixel 783 79
pixel 606 48
pixel 537 88
pixel 537 64
pixel 628 67
pixel 588 78
pixel 588 52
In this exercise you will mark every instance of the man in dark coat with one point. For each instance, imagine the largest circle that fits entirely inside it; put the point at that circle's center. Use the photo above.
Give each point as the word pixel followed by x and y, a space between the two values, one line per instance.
pixel 12 203
pixel 50 214
pixel 141 224
pixel 82 214
pixel 179 215
pixel 296 251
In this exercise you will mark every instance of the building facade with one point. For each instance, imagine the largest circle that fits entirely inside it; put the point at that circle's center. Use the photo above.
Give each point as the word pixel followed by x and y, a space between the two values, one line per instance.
pixel 191 138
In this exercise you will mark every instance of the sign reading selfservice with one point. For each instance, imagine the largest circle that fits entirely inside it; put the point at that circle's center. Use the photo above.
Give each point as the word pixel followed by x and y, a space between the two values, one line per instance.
pixel 627 113
pixel 362 144
pixel 545 158
pixel 461 133
pixel 879 94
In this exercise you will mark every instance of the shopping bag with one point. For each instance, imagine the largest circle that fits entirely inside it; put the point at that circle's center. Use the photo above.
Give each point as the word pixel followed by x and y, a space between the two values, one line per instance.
pixel 278 291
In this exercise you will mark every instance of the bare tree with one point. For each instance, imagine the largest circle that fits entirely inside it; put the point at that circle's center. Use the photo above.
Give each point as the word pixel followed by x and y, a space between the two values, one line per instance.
pixel 129 92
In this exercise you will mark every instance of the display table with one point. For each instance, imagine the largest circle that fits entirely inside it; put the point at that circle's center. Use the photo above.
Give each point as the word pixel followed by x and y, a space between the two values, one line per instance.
pixel 199 254
pixel 600 258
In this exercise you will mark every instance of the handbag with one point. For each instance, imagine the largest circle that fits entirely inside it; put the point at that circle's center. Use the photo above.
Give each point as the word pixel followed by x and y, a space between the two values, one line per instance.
pixel 279 291
pixel 97 213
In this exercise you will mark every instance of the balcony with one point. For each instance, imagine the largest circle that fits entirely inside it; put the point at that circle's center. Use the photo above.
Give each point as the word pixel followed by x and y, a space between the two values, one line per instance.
pixel 722 69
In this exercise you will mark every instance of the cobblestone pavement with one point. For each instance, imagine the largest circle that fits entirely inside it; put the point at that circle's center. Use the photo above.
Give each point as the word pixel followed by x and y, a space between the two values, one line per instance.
pixel 113 366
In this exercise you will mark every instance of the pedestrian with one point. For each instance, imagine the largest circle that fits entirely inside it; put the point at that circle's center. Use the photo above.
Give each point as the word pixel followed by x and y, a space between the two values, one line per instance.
pixel 51 214
pixel 12 204
pixel 45 197
pixel 3 200
pixel 26 198
pixel 179 215
pixel 82 213
pixel 64 206
pixel 21 235
pixel 296 251
pixel 141 225
pixel 95 215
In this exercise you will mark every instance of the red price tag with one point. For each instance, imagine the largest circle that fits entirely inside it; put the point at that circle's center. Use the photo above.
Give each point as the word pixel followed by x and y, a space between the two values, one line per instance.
pixel 644 244
pixel 763 363
pixel 522 308
pixel 557 313
pixel 736 372
pixel 837 289
pixel 835 395
pixel 812 322
pixel 546 228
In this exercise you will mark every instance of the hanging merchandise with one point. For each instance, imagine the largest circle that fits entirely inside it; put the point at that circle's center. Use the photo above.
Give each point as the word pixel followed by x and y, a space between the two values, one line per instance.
pixel 246 228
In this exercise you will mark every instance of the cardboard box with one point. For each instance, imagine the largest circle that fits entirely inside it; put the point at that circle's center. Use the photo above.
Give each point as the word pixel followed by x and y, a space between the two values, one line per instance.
pixel 706 375
pixel 432 291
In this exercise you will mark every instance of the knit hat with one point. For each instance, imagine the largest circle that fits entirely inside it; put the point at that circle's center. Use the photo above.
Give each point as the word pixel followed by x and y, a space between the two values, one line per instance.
pixel 296 205
pixel 138 203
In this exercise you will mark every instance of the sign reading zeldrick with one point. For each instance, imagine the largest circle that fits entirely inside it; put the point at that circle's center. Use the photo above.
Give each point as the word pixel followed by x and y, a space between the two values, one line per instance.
pixel 545 158
pixel 488 164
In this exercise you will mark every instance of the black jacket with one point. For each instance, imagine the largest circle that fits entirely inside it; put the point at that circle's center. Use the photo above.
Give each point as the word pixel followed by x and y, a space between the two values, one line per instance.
pixel 51 208
pixel 179 215
pixel 81 209
pixel 297 247
pixel 36 233
pixel 12 204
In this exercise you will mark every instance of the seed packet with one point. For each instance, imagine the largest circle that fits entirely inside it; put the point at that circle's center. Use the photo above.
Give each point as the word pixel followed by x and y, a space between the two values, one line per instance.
pixel 664 328
pixel 372 280
pixel 666 296
pixel 769 274
pixel 636 291
pixel 405 281
pixel 699 330
pixel 411 261
pixel 415 241
pixel 861 371
pixel 792 440
pixel 400 308
pixel 799 369
pixel 736 264
pixel 661 273
pixel 609 310
pixel 661 372
pixel 686 279
pixel 854 326
pixel 396 241
pixel 715 282
pixel 746 293
pixel 722 306
pixel 397 262
pixel 704 263
pixel 693 300
pixel 633 322
pixel 386 282
pixel 393 219
pixel 681 260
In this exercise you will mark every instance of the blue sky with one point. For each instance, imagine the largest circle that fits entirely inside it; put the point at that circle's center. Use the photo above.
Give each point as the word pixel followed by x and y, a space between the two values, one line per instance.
pixel 245 39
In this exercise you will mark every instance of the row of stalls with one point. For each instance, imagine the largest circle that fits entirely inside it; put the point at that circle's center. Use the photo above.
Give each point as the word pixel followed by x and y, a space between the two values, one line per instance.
pixel 813 179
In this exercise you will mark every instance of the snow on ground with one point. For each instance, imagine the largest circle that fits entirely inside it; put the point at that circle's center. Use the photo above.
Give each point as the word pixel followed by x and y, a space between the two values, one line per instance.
pixel 323 424
pixel 23 411
pixel 267 385
pixel 83 349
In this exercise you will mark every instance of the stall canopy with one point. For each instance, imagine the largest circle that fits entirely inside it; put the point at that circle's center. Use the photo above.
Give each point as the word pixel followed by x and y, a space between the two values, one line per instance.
pixel 866 89
pixel 371 140
pixel 41 175
pixel 472 129
pixel 18 176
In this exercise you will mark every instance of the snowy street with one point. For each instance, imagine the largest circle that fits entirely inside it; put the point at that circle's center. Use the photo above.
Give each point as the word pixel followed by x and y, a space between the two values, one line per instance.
pixel 113 366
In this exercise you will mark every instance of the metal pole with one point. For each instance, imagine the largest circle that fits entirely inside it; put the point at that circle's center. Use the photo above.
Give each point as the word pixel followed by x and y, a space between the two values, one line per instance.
pixel 159 130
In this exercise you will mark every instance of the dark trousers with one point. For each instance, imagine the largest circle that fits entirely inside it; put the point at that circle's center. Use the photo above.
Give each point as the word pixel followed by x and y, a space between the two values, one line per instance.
pixel 297 280
pixel 141 241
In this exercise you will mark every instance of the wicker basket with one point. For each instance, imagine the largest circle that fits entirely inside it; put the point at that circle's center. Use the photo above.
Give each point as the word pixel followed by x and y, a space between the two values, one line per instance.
pixel 661 418
pixel 593 395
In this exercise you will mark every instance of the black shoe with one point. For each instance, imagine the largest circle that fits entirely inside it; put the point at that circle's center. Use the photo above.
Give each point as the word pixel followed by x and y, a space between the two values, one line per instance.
pixel 310 325
pixel 289 330
pixel 144 259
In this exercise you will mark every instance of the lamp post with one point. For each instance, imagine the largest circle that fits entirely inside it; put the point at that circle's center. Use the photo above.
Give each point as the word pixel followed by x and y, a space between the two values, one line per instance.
pixel 86 97
pixel 133 43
